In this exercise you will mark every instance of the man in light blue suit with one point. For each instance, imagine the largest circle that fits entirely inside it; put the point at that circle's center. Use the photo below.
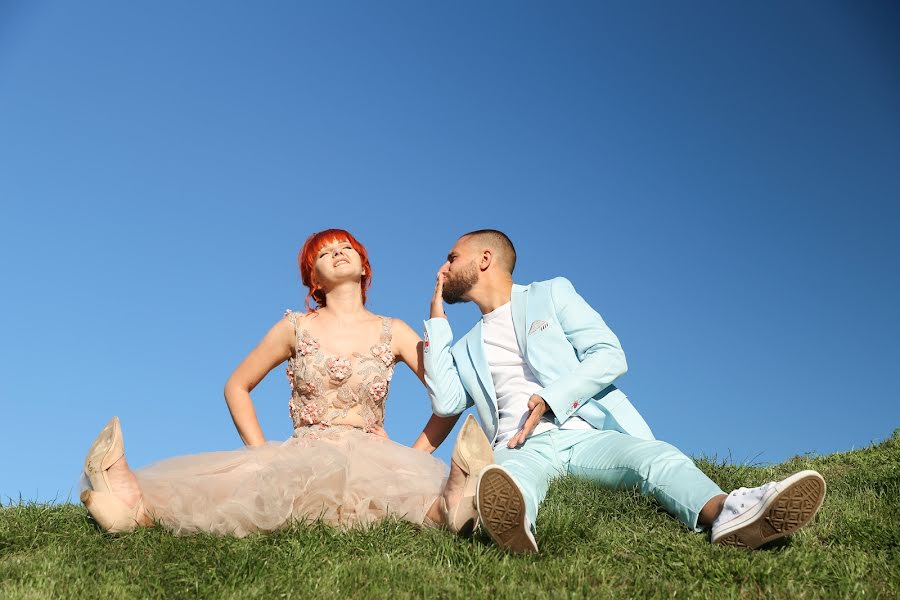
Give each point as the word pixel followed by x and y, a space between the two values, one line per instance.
pixel 539 368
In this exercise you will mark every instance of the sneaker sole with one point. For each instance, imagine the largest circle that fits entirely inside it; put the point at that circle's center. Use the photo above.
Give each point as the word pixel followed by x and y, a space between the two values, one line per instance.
pixel 502 510
pixel 782 514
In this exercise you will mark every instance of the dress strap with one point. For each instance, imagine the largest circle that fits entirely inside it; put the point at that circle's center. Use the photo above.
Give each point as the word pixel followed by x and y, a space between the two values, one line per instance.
pixel 386 325
pixel 294 318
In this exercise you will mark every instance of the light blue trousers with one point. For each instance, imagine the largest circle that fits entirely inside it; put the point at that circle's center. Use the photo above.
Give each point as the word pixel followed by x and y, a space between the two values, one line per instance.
pixel 614 460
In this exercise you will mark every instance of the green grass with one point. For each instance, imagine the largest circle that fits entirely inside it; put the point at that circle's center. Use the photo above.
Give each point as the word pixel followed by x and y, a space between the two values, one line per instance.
pixel 594 543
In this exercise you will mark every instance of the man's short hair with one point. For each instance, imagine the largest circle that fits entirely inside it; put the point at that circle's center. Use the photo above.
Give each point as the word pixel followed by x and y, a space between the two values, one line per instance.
pixel 499 242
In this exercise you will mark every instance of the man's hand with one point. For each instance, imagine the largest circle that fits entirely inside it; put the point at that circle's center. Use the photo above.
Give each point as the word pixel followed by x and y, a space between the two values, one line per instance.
pixel 538 407
pixel 437 301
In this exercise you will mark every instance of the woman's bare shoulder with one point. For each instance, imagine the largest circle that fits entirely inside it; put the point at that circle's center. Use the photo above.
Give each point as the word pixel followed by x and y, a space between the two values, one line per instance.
pixel 292 320
pixel 297 315
pixel 400 328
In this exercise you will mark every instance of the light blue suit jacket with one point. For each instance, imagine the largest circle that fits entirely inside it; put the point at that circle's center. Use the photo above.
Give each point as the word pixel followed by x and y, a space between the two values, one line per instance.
pixel 571 351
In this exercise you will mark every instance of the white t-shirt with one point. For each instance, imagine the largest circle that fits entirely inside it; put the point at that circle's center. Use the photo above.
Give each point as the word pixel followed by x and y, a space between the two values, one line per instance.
pixel 514 382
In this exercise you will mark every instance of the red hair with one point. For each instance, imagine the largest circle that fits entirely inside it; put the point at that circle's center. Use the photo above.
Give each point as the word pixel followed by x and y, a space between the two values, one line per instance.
pixel 310 252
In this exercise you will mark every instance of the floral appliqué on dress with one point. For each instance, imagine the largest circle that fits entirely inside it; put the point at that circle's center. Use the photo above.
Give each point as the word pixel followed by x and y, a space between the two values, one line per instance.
pixel 324 388
pixel 383 351
pixel 339 368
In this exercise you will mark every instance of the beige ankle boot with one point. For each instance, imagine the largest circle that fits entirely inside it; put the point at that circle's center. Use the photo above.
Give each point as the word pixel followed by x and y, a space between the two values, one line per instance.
pixel 110 512
pixel 471 454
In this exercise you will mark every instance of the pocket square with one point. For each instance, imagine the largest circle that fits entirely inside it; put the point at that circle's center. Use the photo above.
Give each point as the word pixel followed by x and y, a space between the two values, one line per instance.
pixel 538 326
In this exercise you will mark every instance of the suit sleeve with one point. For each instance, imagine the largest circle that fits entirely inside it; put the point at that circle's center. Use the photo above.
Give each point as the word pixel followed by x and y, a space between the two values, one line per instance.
pixel 597 347
pixel 448 396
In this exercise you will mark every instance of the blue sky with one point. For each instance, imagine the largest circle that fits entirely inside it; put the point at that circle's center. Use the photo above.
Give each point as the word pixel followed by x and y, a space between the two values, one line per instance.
pixel 719 181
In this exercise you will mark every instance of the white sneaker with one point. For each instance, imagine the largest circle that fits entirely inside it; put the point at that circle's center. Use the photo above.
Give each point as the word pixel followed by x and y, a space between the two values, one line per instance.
pixel 501 507
pixel 752 517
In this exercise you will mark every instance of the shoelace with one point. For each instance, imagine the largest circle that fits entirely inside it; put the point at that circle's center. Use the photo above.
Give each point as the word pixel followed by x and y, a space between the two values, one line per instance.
pixel 738 500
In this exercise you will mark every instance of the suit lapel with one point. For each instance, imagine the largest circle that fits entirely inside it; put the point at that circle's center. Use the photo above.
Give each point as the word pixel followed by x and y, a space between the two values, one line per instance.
pixel 475 346
pixel 529 306
pixel 518 302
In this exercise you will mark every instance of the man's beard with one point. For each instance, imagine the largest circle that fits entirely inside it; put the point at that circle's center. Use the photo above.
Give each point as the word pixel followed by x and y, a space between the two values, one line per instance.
pixel 459 284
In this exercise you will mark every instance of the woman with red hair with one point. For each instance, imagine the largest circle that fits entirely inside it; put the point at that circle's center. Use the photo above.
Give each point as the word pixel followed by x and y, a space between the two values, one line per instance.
pixel 339 466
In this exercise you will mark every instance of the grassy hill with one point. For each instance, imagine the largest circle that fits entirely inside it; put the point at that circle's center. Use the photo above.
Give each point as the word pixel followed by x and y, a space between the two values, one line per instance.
pixel 594 543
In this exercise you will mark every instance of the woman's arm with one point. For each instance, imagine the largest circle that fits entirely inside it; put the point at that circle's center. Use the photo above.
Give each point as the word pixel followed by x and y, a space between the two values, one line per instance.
pixel 435 432
pixel 408 348
pixel 273 350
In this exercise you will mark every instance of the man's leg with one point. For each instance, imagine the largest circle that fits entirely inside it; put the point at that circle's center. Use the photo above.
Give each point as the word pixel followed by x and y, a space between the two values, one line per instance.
pixel 747 517
pixel 532 465
pixel 510 492
pixel 658 469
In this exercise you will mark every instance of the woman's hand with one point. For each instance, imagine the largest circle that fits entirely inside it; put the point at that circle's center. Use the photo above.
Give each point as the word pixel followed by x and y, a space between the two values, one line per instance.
pixel 379 431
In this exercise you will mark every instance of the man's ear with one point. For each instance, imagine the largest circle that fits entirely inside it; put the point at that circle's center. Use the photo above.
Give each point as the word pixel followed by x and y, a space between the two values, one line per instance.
pixel 487 257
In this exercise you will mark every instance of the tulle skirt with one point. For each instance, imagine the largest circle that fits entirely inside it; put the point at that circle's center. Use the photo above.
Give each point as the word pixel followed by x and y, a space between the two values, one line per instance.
pixel 339 474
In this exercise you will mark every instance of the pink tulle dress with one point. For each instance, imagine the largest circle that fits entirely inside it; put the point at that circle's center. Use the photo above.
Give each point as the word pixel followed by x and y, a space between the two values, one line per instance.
pixel 342 473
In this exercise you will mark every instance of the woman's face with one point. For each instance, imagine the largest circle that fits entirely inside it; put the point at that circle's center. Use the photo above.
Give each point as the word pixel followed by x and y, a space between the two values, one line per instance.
pixel 337 261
